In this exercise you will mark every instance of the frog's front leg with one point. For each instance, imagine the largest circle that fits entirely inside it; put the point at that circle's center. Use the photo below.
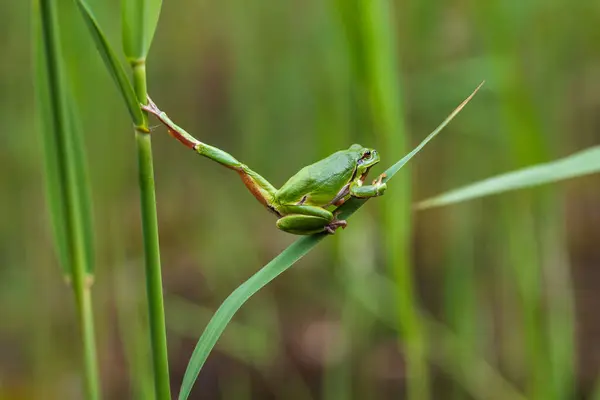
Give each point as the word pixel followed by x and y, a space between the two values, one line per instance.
pixel 307 220
pixel 377 188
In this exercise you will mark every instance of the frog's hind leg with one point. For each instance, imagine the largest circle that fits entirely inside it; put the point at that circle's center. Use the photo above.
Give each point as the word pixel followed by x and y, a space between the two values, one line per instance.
pixel 302 224
pixel 307 220
pixel 256 184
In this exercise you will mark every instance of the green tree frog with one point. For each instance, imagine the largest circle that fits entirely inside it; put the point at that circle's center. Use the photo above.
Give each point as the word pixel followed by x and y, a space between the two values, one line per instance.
pixel 306 203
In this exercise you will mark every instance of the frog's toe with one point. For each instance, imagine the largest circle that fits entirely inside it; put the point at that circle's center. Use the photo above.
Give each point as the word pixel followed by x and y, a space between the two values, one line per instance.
pixel 379 179
pixel 333 225
pixel 151 107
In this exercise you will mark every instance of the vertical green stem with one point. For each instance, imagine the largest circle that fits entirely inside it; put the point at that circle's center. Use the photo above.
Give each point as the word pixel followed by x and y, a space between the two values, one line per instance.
pixel 86 320
pixel 384 86
pixel 139 84
pixel 158 334
pixel 528 139
pixel 72 203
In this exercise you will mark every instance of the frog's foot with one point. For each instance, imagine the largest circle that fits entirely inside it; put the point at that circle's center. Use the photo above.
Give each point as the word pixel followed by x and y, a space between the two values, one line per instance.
pixel 333 225
pixel 340 202
pixel 379 179
pixel 151 107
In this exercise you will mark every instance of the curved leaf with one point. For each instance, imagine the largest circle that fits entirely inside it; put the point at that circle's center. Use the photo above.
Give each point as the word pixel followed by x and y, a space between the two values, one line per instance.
pixel 582 163
pixel 139 20
pixel 112 64
pixel 275 267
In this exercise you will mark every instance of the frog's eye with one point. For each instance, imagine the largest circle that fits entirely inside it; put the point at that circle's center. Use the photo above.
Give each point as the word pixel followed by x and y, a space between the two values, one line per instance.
pixel 367 155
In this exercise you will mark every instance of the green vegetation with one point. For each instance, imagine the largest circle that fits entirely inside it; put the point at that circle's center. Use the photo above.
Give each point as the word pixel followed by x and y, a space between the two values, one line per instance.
pixel 279 264
pixel 66 183
pixel 476 292
pixel 139 18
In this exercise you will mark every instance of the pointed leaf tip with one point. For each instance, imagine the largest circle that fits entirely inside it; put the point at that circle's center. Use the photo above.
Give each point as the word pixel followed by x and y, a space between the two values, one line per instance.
pixel 390 172
pixel 139 20
pixel 112 63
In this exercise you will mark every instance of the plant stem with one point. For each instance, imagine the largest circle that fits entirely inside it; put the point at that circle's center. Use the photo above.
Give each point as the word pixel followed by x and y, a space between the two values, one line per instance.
pixel 158 334
pixel 384 90
pixel 139 85
pixel 86 321
pixel 67 173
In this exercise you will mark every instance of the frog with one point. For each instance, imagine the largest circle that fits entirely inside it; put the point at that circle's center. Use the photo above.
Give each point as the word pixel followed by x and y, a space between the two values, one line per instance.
pixel 308 202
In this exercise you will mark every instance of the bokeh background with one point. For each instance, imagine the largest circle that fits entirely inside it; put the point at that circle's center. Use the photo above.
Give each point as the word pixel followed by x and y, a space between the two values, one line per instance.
pixel 511 281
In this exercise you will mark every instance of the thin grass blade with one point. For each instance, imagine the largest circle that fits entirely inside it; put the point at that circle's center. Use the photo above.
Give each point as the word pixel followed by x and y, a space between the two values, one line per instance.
pixel 234 302
pixel 274 268
pixel 81 175
pixel 112 64
pixel 396 167
pixel 139 20
pixel 579 164
pixel 61 125
pixel 54 186
pixel 54 189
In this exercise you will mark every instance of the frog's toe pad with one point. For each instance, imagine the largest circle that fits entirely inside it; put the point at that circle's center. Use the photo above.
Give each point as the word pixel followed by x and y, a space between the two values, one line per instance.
pixel 333 225
pixel 379 179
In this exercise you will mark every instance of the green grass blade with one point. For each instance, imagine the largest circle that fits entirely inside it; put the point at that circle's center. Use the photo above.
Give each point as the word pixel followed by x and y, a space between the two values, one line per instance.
pixel 81 175
pixel 396 167
pixel 274 268
pixel 579 164
pixel 139 20
pixel 57 108
pixel 234 302
pixel 54 191
pixel 381 60
pixel 112 64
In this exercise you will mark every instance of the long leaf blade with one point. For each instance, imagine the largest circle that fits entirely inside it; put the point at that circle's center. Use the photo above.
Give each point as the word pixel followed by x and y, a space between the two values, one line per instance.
pixel 396 167
pixel 58 98
pixel 233 303
pixel 54 186
pixel 81 173
pixel 579 164
pixel 112 63
pixel 275 267
pixel 139 20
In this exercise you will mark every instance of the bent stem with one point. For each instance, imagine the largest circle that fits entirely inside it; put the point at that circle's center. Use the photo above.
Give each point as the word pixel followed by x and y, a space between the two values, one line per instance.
pixel 158 334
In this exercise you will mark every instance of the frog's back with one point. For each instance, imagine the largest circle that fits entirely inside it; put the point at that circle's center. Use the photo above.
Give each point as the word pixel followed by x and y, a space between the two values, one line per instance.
pixel 319 182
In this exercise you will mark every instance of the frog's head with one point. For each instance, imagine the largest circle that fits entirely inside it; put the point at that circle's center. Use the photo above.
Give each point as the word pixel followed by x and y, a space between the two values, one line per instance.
pixel 365 159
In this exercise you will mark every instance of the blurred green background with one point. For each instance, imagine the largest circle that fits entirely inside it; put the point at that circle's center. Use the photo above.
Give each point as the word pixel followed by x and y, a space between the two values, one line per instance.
pixel 514 279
